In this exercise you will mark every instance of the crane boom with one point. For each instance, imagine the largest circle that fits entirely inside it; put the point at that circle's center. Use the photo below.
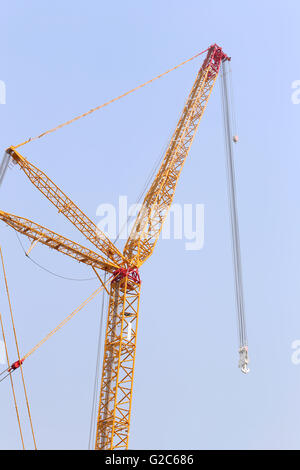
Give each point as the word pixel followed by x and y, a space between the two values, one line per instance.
pixel 67 207
pixel 51 239
pixel 158 199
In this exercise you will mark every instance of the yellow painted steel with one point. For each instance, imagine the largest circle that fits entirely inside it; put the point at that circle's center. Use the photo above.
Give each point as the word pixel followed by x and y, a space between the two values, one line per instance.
pixel 51 239
pixel 67 207
pixel 158 200
pixel 113 420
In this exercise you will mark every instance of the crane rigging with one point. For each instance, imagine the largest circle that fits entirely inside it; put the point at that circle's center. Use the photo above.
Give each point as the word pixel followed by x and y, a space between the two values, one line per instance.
pixel 116 388
pixel 236 249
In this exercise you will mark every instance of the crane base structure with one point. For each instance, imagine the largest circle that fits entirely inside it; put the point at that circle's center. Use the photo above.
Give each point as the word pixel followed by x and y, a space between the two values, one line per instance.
pixel 118 364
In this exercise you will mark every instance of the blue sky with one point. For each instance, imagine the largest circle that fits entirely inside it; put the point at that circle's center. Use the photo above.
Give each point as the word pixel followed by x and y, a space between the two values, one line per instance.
pixel 59 59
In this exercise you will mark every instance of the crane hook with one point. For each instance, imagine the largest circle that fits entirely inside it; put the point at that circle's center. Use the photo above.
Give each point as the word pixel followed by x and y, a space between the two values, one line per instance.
pixel 244 360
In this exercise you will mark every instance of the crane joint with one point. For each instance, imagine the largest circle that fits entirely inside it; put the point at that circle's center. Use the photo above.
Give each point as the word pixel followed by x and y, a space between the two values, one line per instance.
pixel 132 273
pixel 215 60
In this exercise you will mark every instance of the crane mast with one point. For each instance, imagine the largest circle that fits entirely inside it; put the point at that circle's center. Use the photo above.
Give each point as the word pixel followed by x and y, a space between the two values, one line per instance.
pixel 113 419
pixel 118 366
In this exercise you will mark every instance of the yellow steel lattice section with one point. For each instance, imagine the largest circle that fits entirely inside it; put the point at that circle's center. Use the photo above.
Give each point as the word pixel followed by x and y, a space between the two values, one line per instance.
pixel 118 366
pixel 157 202
pixel 67 207
pixel 51 239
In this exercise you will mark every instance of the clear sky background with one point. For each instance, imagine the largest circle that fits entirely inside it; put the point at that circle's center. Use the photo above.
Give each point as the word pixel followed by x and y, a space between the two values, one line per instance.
pixel 59 59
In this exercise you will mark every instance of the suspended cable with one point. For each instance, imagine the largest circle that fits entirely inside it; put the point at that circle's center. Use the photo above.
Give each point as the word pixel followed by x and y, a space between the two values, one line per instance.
pixel 48 270
pixel 236 250
pixel 11 383
pixel 99 347
pixel 66 320
pixel 58 275
pixel 17 347
pixel 31 139
pixel 19 363
pixel 1 373
pixel 9 371
pixel 4 166
pixel 149 179
pixel 7 375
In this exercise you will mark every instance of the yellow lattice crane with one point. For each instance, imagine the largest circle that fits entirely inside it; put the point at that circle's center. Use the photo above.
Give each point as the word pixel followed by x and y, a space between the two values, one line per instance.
pixel 113 421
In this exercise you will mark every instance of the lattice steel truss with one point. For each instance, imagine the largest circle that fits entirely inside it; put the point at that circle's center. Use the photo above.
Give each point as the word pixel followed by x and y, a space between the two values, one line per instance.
pixel 113 419
pixel 118 365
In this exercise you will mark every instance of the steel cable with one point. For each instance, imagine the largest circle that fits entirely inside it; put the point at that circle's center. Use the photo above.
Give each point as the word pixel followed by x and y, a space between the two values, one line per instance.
pixel 236 249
